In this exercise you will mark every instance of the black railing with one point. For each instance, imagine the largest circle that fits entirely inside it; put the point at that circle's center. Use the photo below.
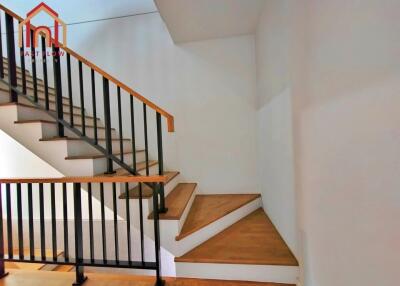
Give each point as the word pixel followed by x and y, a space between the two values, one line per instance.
pixel 117 99
pixel 19 193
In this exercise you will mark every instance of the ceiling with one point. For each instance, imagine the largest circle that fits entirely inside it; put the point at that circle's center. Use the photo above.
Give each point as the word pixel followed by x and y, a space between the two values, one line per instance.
pixel 195 20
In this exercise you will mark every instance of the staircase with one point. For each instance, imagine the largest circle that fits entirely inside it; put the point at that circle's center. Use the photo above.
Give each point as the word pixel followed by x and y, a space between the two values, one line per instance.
pixel 83 130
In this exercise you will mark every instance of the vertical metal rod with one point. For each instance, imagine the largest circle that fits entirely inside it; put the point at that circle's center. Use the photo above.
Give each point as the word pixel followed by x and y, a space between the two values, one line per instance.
pixel 34 72
pixel 133 133
pixel 12 66
pixel 146 151
pixel 121 142
pixel 163 208
pixel 2 268
pixel 65 219
pixel 9 222
pixel 53 220
pixel 107 123
pixel 80 278
pixel 31 225
pixel 82 98
pixel 23 68
pixel 42 225
pixel 91 240
pixel 157 238
pixel 116 243
pixel 1 52
pixel 71 104
pixel 45 77
pixel 58 88
pixel 94 106
pixel 141 222
pixel 103 223
pixel 20 223
pixel 128 222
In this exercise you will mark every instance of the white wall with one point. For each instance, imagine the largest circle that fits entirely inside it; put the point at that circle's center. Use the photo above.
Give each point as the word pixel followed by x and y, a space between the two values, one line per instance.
pixel 274 114
pixel 343 70
pixel 208 86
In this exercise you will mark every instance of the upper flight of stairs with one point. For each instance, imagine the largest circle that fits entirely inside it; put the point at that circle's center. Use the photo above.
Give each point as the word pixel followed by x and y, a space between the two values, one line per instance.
pixel 214 236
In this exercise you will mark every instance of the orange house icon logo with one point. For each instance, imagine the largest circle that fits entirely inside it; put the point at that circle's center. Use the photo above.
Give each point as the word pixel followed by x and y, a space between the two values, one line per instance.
pixel 44 30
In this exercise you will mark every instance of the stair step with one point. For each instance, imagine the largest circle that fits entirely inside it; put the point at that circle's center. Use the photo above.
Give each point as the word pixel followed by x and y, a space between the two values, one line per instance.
pixel 97 156
pixel 176 201
pixel 31 266
pixel 53 122
pixel 63 268
pixel 78 139
pixel 252 240
pixel 147 192
pixel 206 209
pixel 140 166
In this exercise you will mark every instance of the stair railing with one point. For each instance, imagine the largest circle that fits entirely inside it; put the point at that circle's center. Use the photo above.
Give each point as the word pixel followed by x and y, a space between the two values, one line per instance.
pixel 41 95
pixel 30 201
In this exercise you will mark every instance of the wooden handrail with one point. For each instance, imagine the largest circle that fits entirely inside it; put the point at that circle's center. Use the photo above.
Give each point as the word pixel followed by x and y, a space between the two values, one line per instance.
pixel 168 116
pixel 97 179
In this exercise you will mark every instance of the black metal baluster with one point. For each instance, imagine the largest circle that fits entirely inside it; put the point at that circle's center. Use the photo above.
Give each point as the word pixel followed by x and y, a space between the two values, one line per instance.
pixel 34 72
pixel 42 224
pixel 9 222
pixel 107 123
pixel 91 240
pixel 80 278
pixel 146 151
pixel 163 208
pixel 23 68
pixel 20 223
pixel 45 78
pixel 71 104
pixel 53 220
pixel 141 222
pixel 65 218
pixel 58 88
pixel 121 142
pixel 12 66
pixel 116 243
pixel 2 268
pixel 94 106
pixel 133 134
pixel 128 222
pixel 31 225
pixel 1 52
pixel 157 238
pixel 103 223
pixel 82 97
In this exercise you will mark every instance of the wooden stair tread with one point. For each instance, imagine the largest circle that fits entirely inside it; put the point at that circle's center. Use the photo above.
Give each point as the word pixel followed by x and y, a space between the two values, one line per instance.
pixel 147 192
pixel 252 240
pixel 208 208
pixel 53 122
pixel 63 268
pixel 75 139
pixel 97 156
pixel 176 201
pixel 140 166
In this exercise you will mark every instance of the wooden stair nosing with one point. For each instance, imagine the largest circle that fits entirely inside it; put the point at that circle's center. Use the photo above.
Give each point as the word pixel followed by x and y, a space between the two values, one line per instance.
pixel 183 235
pixel 77 139
pixel 176 206
pixel 147 192
pixel 140 166
pixel 97 156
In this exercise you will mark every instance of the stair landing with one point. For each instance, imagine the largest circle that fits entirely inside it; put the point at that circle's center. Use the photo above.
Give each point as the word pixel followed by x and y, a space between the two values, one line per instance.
pixel 252 240
pixel 207 209
pixel 40 278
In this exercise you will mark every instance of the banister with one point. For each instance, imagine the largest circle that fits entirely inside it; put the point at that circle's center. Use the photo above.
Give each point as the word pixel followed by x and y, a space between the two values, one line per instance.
pixel 168 116
pixel 96 179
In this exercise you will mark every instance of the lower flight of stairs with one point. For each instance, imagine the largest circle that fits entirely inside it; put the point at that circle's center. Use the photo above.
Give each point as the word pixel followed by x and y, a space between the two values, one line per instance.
pixel 225 236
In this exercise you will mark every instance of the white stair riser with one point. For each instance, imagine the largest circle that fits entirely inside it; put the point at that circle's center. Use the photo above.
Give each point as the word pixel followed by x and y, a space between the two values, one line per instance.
pixel 241 272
